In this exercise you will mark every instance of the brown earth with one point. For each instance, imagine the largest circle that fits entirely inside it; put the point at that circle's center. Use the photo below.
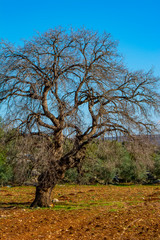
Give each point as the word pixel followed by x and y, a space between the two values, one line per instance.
pixel 83 212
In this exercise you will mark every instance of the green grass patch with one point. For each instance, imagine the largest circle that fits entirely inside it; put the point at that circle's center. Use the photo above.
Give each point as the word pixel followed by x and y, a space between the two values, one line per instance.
pixel 113 210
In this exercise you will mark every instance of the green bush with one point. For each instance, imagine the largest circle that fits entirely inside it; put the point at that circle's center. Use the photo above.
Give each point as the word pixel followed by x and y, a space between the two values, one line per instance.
pixel 156 170
pixel 6 172
pixel 106 159
pixel 71 175
pixel 127 169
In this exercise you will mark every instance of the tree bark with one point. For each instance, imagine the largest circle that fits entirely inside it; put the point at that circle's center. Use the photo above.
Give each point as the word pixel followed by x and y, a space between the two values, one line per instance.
pixel 42 198
pixel 48 178
pixel 46 182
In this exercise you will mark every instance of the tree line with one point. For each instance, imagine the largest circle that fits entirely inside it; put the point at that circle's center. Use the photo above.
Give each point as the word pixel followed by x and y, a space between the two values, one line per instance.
pixel 106 161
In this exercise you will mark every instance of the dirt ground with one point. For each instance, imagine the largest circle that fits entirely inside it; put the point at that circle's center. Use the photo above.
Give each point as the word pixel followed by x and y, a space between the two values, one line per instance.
pixel 83 212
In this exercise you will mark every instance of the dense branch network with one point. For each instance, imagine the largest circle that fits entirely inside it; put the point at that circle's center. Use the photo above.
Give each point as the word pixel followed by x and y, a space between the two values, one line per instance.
pixel 75 82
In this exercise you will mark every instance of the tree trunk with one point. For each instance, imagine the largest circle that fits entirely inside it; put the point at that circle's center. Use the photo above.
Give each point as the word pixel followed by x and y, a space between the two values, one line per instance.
pixel 42 198
pixel 55 169
pixel 48 178
pixel 46 182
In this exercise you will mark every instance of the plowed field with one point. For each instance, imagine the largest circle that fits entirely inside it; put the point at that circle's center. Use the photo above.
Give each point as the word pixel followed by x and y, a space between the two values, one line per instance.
pixel 83 212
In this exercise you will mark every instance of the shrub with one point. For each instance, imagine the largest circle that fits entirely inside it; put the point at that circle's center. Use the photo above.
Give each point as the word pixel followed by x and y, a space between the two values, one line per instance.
pixel 156 170
pixel 6 172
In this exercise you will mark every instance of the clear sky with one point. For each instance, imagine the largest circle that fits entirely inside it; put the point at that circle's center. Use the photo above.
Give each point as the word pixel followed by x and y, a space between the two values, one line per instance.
pixel 134 23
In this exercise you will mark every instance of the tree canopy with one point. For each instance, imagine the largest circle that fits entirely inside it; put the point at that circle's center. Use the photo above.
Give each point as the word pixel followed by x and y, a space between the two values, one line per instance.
pixel 73 82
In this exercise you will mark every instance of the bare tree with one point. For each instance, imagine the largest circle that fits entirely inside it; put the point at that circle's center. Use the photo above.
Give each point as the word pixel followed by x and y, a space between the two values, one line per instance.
pixel 72 82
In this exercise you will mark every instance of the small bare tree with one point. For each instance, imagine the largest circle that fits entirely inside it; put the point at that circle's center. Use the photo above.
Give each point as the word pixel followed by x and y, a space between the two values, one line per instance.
pixel 72 82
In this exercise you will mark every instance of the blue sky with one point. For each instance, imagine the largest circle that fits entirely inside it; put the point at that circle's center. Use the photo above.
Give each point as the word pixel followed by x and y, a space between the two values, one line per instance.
pixel 135 24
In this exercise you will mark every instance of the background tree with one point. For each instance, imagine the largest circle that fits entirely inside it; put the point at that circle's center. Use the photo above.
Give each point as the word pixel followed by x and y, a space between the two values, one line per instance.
pixel 63 82
pixel 110 161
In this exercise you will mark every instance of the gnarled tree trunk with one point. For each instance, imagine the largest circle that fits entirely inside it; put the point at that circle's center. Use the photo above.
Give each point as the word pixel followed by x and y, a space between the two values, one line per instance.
pixel 46 182
pixel 43 197
pixel 56 170
pixel 48 178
